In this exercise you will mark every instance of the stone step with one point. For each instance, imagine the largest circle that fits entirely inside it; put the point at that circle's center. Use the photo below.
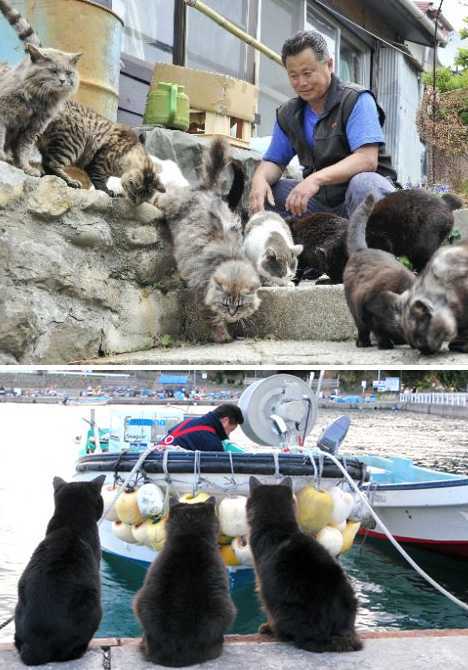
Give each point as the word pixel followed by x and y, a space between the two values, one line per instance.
pixel 305 312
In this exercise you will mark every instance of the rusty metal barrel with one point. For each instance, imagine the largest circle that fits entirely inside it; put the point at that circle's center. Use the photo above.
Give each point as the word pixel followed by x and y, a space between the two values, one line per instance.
pixel 75 25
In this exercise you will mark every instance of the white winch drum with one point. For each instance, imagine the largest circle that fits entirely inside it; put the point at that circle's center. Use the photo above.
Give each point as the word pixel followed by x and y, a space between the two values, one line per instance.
pixel 283 395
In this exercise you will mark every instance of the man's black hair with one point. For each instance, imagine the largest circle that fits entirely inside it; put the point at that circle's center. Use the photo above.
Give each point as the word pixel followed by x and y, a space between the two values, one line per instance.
pixel 231 411
pixel 305 39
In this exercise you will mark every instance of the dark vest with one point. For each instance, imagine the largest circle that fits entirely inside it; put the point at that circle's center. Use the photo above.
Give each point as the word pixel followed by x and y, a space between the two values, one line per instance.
pixel 330 141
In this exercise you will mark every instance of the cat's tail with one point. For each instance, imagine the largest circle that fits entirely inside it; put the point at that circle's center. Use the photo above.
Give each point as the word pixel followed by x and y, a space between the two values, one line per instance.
pixel 23 28
pixel 356 238
pixel 452 201
pixel 337 643
pixel 214 162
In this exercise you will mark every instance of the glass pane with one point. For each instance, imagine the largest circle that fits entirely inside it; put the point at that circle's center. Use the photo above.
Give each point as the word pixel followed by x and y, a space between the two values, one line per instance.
pixel 279 20
pixel 212 48
pixel 351 61
pixel 149 28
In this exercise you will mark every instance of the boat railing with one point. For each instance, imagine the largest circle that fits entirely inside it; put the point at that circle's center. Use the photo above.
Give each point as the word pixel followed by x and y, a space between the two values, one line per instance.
pixel 451 399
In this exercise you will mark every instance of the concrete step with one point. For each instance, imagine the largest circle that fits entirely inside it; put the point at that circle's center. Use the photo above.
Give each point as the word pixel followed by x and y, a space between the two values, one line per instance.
pixel 304 312
pixel 283 353
pixel 391 650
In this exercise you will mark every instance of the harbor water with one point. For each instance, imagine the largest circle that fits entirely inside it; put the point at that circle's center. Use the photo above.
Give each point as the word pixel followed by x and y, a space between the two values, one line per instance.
pixel 37 443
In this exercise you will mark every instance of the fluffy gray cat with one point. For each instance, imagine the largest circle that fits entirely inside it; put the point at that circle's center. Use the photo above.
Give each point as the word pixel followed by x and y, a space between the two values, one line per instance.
pixel 269 245
pixel 435 309
pixel 207 241
pixel 32 93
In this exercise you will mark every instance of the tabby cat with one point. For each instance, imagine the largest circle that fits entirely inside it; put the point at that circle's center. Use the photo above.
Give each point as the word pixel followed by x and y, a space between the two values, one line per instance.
pixel 304 590
pixel 184 605
pixel 435 311
pixel 207 241
pixel 59 592
pixel 32 93
pixel 373 280
pixel 80 136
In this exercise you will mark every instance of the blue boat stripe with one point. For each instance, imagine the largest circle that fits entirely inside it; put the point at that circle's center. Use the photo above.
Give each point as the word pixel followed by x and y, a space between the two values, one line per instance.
pixel 374 486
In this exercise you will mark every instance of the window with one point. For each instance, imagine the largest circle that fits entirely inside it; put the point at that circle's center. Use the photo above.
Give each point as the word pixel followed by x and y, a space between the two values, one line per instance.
pixel 149 28
pixel 351 55
pixel 212 48
pixel 279 20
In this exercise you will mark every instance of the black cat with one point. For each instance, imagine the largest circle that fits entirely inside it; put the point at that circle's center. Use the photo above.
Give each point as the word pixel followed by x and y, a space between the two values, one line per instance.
pixel 184 605
pixel 59 592
pixel 411 223
pixel 304 590
pixel 373 281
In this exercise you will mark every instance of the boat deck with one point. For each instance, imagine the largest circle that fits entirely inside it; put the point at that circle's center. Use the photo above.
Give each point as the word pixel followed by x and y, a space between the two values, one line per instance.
pixel 418 650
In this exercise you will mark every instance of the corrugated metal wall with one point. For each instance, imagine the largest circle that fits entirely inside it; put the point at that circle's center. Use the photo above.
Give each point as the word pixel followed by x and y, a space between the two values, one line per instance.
pixel 399 95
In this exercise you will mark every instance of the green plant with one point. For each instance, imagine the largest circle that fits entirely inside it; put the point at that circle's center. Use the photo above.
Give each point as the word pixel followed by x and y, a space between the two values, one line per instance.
pixel 166 341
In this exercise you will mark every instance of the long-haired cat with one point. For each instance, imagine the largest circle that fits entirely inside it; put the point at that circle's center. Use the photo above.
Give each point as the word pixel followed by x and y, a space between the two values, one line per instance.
pixel 207 242
pixel 170 176
pixel 269 245
pixel 435 311
pixel 305 593
pixel 32 93
pixel 373 280
pixel 184 604
pixel 59 592
pixel 411 223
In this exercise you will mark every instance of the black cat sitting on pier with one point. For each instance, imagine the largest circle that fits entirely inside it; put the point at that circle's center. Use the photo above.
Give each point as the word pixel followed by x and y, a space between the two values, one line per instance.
pixel 59 592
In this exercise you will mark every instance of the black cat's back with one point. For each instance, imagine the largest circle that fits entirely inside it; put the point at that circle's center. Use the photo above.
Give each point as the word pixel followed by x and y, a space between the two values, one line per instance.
pixel 184 605
pixel 305 592
pixel 412 223
pixel 59 608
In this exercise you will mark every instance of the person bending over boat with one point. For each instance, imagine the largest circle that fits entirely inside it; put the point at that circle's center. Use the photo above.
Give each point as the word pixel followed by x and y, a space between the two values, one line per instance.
pixel 207 432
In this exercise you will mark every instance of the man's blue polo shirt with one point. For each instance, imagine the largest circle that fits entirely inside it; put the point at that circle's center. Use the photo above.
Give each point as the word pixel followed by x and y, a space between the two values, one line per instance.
pixel 363 127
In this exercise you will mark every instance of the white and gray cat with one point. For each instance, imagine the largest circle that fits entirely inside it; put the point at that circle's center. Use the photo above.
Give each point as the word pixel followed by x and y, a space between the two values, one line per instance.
pixel 435 309
pixel 207 241
pixel 32 93
pixel 269 245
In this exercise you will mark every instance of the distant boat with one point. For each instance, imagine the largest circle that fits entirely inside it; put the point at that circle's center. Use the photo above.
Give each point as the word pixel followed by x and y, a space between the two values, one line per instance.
pixel 88 400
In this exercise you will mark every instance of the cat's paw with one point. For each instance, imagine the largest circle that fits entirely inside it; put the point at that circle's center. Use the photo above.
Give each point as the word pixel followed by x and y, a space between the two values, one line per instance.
pixel 31 170
pixel 459 345
pixel 363 342
pixel 220 334
pixel 74 183
pixel 384 344
pixel 265 629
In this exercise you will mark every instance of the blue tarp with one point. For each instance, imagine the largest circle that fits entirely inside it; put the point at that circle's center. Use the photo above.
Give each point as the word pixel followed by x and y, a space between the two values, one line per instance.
pixel 172 379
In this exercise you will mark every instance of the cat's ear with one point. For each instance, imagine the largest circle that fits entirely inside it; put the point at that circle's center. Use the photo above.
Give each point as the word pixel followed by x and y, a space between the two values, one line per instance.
pixel 173 501
pixel 74 58
pixel 211 501
pixel 298 249
pixel 35 53
pixel 421 309
pixel 98 482
pixel 287 481
pixel 58 482
pixel 142 138
pixel 253 483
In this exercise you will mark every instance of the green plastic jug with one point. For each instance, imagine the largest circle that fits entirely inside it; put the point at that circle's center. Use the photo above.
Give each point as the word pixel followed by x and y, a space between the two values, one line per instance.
pixel 167 105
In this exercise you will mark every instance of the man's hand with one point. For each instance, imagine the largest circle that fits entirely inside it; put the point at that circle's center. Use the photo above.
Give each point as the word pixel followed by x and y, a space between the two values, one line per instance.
pixel 259 192
pixel 298 198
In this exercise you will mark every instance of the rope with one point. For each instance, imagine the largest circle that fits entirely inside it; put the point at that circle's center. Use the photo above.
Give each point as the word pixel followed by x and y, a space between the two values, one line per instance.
pixel 396 544
pixel 5 623
pixel 275 455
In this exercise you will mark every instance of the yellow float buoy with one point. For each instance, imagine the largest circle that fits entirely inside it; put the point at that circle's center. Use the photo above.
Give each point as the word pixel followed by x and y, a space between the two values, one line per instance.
pixel 314 509
pixel 127 508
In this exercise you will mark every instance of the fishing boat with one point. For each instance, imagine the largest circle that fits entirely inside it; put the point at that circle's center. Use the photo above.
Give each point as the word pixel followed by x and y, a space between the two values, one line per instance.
pixel 418 505
pixel 279 412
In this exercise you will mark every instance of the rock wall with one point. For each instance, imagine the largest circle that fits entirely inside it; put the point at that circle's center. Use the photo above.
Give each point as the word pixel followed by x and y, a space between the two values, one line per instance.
pixel 83 274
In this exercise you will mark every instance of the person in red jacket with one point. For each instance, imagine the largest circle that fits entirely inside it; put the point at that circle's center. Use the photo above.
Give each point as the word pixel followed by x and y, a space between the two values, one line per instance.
pixel 207 432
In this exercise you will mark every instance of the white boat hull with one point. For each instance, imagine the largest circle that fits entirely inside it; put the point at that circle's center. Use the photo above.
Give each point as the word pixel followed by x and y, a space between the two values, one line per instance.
pixel 431 514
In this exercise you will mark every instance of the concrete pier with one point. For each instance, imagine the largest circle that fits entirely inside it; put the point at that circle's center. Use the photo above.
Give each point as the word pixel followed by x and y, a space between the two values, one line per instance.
pixel 391 650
